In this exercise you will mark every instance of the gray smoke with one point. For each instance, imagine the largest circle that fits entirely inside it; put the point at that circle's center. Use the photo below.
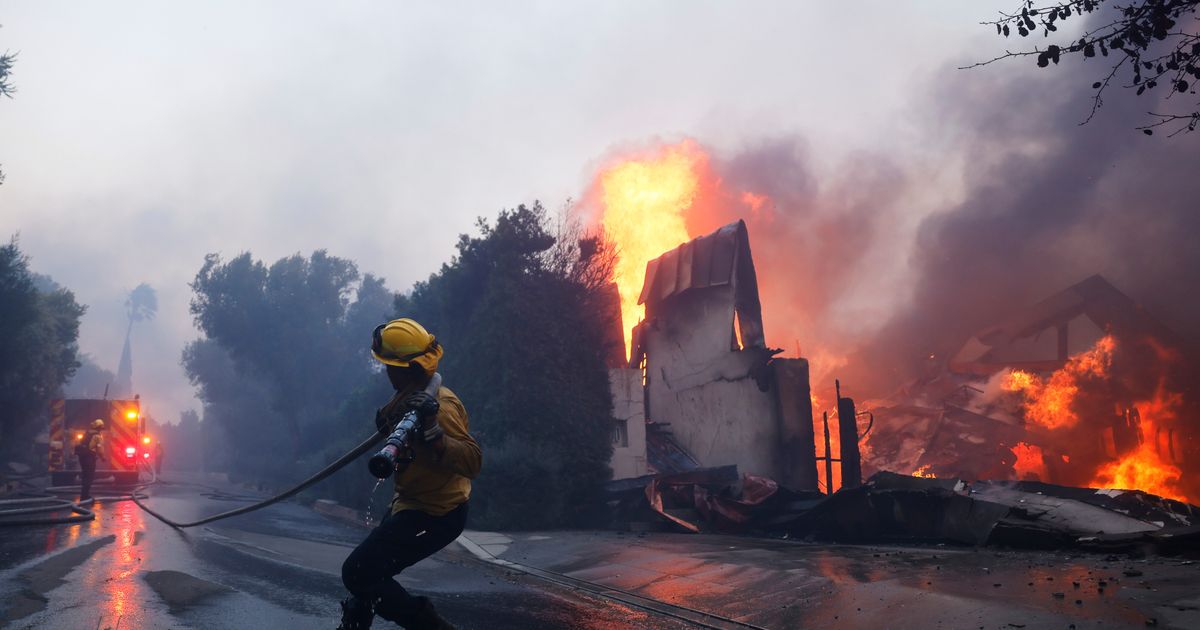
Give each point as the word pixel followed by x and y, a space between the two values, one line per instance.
pixel 1050 202
pixel 1047 202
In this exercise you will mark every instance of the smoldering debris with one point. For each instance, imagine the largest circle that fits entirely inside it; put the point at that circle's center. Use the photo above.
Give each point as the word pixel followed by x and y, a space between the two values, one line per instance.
pixel 894 508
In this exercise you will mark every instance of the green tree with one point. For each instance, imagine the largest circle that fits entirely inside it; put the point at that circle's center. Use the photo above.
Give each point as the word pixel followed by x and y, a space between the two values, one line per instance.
pixel 287 381
pixel 38 334
pixel 286 347
pixel 526 351
pixel 1146 44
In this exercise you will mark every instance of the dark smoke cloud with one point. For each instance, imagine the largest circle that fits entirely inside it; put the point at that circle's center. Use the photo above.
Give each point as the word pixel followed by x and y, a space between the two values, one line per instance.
pixel 1049 202
pixel 1046 203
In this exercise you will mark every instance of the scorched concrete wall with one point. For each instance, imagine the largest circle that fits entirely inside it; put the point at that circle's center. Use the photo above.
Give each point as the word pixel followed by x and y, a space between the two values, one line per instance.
pixel 705 390
pixel 629 457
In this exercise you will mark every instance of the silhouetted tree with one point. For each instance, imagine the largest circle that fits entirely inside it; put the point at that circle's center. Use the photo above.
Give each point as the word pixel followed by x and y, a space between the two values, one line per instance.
pixel 6 88
pixel 1146 42
pixel 288 384
pixel 286 347
pixel 526 352
pixel 38 333
pixel 141 305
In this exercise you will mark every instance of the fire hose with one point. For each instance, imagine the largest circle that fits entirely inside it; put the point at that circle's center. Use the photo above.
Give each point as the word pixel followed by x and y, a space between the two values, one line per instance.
pixel 398 436
pixel 388 452
pixel 46 500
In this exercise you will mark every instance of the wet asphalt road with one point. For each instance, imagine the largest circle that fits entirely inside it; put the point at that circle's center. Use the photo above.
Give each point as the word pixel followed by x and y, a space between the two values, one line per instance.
pixel 275 568
pixel 770 583
pixel 279 568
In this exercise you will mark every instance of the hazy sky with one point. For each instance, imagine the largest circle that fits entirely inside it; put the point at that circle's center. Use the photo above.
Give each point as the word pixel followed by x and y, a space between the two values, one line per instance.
pixel 146 134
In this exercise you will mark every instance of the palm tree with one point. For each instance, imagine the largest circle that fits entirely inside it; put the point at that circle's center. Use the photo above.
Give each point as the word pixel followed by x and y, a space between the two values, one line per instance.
pixel 141 305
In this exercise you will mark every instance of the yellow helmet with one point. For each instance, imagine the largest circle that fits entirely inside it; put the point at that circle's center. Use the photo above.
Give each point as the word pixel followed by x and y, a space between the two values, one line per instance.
pixel 97 423
pixel 403 342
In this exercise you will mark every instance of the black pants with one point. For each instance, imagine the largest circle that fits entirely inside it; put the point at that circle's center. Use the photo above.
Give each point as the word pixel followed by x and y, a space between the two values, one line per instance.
pixel 400 541
pixel 87 473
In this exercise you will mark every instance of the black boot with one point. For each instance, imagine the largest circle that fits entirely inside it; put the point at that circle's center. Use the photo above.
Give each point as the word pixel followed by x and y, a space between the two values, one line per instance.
pixel 357 614
pixel 426 618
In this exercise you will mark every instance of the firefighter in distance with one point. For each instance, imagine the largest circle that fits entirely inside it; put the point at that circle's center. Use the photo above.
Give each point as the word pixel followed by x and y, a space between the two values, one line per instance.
pixel 88 449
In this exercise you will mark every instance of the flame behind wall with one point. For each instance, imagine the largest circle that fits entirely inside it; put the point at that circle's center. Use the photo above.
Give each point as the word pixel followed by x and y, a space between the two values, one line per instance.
pixel 644 200
pixel 804 241
pixel 1073 411
pixel 653 200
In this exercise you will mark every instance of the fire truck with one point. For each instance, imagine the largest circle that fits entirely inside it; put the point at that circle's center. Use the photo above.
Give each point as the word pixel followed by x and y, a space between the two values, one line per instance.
pixel 125 442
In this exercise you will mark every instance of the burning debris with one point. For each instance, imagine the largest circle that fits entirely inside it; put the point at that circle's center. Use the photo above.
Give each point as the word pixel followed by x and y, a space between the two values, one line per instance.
pixel 1085 389
pixel 897 508
pixel 1031 515
pixel 1088 405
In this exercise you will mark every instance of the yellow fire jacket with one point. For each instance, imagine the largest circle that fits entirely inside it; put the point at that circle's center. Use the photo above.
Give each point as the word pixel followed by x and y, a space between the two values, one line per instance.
pixel 437 483
pixel 92 441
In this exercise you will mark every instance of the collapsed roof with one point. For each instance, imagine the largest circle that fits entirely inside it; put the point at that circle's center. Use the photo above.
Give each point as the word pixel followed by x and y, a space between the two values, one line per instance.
pixel 713 260
pixel 1077 316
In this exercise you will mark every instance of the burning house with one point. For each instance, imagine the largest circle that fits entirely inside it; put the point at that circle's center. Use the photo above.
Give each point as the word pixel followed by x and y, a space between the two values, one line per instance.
pixel 1081 389
pixel 702 388
pixel 1054 398
pixel 1067 423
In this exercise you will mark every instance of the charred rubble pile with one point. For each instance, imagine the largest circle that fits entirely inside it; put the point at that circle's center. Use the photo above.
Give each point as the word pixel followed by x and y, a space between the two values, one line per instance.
pixel 895 508
pixel 1083 390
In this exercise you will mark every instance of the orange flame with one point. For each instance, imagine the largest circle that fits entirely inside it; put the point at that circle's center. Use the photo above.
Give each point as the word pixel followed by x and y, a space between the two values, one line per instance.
pixel 1049 402
pixel 1031 462
pixel 925 472
pixel 1147 467
pixel 644 200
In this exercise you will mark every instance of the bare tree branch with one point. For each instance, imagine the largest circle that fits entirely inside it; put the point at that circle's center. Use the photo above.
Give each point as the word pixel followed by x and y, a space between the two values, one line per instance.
pixel 1152 41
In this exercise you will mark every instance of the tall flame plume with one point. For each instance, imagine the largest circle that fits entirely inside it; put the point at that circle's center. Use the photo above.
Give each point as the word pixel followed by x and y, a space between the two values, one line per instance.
pixel 644 203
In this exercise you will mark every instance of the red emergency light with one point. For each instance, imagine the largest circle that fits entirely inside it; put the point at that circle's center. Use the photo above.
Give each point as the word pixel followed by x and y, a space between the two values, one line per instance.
pixel 129 451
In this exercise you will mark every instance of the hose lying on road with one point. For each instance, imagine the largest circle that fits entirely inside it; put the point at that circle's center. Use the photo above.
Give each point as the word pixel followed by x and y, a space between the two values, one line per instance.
pixel 325 472
pixel 432 387
pixel 40 504
pixel 137 496
pixel 47 502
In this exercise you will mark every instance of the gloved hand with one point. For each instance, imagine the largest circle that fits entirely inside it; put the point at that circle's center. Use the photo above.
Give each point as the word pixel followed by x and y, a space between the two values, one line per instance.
pixel 427 408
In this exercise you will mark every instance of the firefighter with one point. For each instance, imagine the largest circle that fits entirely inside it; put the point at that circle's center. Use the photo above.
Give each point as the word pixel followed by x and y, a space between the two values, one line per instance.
pixel 158 457
pixel 429 505
pixel 87 451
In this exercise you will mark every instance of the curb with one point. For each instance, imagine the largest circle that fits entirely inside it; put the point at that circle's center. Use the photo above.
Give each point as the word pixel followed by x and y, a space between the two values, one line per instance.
pixel 483 554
